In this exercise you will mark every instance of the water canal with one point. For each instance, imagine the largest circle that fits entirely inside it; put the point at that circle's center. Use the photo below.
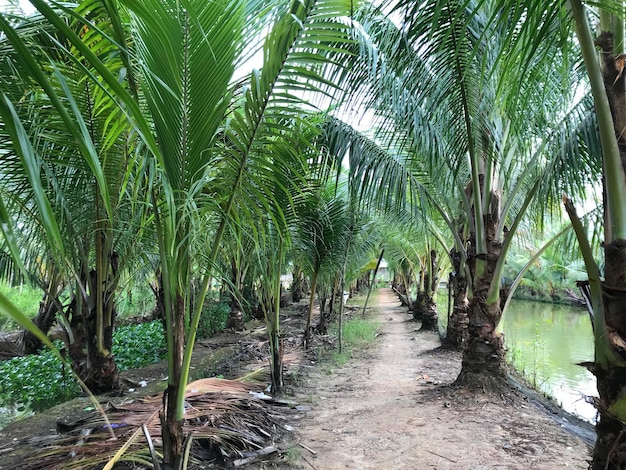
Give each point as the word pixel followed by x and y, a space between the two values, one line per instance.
pixel 545 343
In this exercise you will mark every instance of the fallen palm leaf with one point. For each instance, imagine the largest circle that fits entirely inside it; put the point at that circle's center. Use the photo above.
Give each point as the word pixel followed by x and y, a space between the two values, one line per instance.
pixel 216 385
pixel 118 455
pixel 223 422
pixel 122 450
pixel 155 458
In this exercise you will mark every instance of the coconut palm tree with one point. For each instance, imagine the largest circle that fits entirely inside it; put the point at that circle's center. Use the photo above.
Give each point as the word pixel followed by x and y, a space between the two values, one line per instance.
pixel 70 183
pixel 202 143
pixel 466 118
pixel 417 251
pixel 318 236
pixel 253 118
pixel 607 287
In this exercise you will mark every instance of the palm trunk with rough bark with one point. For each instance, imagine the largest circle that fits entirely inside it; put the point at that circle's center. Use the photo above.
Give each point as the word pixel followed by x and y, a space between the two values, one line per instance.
pixel 277 348
pixel 99 372
pixel 323 321
pixel 484 356
pixel 456 336
pixel 297 285
pixel 425 310
pixel 430 317
pixel 235 317
pixel 46 316
pixel 399 286
pixel 93 364
pixel 172 427
pixel 307 331
pixel 610 448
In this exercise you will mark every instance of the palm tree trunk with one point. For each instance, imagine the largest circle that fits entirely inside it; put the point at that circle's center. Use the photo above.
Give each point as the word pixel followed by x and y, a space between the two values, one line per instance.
pixel 44 320
pixel 610 448
pixel 609 312
pixel 94 365
pixel 321 325
pixel 333 298
pixel 430 317
pixel 273 322
pixel 457 332
pixel 456 336
pixel 277 361
pixel 297 285
pixel 483 359
pixel 425 310
pixel 307 331
pixel 372 283
pixel 276 342
pixel 171 423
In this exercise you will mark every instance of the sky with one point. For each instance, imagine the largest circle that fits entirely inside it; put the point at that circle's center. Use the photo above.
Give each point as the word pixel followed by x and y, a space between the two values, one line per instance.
pixel 24 4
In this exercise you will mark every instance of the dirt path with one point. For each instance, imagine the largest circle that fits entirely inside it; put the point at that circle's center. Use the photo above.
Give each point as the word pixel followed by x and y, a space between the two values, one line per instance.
pixel 390 408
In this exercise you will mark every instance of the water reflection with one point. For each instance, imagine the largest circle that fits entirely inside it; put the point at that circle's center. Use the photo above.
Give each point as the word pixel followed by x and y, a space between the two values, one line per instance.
pixel 545 342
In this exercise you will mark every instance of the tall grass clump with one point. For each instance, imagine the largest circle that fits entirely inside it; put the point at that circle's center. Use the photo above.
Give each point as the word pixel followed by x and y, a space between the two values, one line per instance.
pixel 358 333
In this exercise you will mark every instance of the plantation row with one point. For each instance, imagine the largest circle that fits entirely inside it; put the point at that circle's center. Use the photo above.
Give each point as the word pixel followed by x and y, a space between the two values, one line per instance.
pixel 204 147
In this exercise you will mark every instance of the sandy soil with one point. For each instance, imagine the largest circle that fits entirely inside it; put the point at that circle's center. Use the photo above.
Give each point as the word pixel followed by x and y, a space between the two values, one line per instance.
pixel 393 408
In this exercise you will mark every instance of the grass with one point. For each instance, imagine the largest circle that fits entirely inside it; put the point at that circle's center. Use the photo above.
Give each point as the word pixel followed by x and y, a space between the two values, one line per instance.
pixel 292 455
pixel 358 334
pixel 24 297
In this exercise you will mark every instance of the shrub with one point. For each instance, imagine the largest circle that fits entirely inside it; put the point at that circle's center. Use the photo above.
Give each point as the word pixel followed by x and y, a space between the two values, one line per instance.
pixel 213 319
pixel 41 381
pixel 139 345
pixel 36 381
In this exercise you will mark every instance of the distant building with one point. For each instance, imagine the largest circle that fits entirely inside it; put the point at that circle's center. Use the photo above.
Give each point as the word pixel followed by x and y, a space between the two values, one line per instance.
pixel 286 280
pixel 383 271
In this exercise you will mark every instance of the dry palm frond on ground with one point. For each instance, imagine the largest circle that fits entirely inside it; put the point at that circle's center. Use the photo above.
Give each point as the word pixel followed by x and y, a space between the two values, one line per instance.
pixel 226 421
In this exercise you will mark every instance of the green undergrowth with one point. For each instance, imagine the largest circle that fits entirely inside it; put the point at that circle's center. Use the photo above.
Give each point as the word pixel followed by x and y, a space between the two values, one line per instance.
pixel 213 319
pixel 139 345
pixel 25 298
pixel 37 382
pixel 358 334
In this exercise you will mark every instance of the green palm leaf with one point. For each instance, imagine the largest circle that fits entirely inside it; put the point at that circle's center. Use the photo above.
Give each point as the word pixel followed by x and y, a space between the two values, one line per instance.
pixel 32 166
